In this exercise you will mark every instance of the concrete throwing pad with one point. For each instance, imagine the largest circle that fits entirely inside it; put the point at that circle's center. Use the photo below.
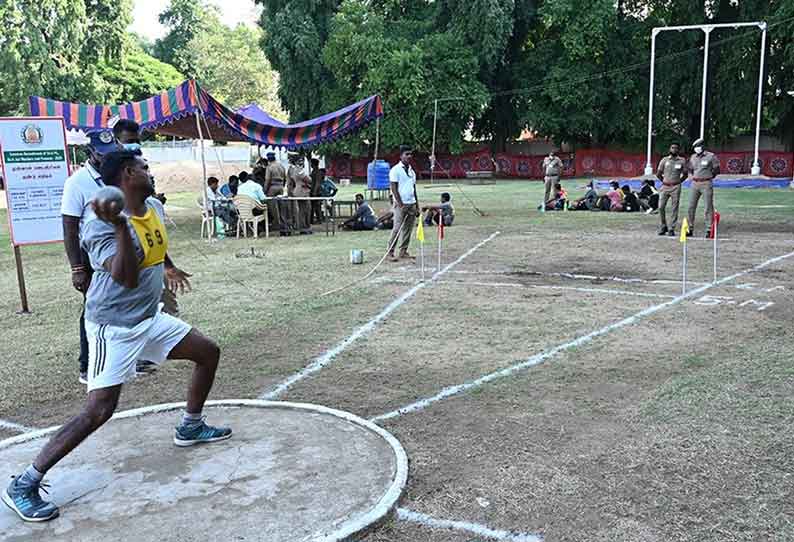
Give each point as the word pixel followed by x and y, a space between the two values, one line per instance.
pixel 290 472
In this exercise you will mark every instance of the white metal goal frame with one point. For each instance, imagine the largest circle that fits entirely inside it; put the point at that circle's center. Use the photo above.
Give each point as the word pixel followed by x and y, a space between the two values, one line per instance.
pixel 707 29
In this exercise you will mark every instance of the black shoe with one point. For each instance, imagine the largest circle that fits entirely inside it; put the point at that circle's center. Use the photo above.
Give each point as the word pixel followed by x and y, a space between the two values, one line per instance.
pixel 662 230
pixel 690 232
pixel 671 233
pixel 144 367
pixel 708 235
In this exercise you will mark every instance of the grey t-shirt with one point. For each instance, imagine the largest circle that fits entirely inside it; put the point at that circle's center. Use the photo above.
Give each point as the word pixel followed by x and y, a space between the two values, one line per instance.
pixel 107 301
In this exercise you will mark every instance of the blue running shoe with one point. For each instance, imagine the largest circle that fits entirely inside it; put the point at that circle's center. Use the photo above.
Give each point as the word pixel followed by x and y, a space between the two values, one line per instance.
pixel 22 496
pixel 188 435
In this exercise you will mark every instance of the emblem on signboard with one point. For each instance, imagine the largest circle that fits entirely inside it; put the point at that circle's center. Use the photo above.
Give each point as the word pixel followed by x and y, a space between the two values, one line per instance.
pixel 31 135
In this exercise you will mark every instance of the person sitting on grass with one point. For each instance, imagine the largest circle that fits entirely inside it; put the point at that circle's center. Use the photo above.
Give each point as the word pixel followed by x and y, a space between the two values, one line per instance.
pixel 386 217
pixel 445 210
pixel 559 199
pixel 630 202
pixel 364 219
pixel 613 201
pixel 649 197
pixel 588 202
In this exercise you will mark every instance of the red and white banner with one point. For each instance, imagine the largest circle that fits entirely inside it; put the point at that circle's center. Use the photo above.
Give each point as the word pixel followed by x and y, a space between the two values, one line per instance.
pixel 583 163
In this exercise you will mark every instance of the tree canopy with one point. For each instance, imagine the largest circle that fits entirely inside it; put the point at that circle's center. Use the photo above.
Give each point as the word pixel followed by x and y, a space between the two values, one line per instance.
pixel 570 70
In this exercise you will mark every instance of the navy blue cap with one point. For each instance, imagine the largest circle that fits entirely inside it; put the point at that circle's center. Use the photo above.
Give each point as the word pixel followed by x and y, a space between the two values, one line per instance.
pixel 103 141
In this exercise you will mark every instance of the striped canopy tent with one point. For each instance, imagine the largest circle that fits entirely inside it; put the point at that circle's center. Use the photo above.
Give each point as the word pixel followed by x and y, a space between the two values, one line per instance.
pixel 188 111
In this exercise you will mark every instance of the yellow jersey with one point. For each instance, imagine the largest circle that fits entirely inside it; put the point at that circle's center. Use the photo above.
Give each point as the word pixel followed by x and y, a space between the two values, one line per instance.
pixel 151 236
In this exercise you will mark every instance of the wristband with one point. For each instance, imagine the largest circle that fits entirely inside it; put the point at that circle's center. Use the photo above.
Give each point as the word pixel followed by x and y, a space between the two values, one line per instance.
pixel 78 269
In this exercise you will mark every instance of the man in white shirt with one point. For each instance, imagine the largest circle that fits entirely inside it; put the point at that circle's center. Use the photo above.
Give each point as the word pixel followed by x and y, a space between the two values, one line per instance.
pixel 402 180
pixel 76 212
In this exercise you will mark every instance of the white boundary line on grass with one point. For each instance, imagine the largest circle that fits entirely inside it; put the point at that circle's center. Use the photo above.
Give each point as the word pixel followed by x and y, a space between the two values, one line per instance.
pixel 518 285
pixel 480 530
pixel 11 426
pixel 543 356
pixel 364 330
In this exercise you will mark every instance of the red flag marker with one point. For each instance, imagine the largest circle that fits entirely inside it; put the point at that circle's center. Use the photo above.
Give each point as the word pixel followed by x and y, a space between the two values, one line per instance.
pixel 715 222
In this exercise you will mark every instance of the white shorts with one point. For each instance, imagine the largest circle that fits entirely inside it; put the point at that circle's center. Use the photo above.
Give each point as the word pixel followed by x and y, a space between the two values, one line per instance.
pixel 113 351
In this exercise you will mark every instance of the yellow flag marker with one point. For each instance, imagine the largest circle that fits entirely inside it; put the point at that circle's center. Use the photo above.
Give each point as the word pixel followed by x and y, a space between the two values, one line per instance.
pixel 420 230
pixel 684 231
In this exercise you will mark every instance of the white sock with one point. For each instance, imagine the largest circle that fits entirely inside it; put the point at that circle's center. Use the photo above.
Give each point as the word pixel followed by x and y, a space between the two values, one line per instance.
pixel 189 418
pixel 32 473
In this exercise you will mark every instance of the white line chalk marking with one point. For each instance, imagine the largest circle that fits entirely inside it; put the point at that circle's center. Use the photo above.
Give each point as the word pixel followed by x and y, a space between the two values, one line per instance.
pixel 473 528
pixel 543 356
pixel 364 330
pixel 518 285
pixel 11 426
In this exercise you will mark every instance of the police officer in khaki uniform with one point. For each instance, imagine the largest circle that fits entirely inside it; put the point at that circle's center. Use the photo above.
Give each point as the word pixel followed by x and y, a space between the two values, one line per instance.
pixel 552 168
pixel 703 167
pixel 275 180
pixel 299 186
pixel 672 171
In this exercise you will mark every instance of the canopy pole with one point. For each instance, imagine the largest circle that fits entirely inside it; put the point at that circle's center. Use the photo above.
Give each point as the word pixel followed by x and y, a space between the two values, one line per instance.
pixel 204 172
pixel 377 137
pixel 215 150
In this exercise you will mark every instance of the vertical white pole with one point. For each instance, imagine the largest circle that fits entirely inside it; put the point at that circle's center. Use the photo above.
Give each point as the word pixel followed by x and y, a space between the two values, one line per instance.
pixel 707 30
pixel 433 150
pixel 440 241
pixel 683 286
pixel 422 255
pixel 756 170
pixel 648 165
pixel 716 227
pixel 204 178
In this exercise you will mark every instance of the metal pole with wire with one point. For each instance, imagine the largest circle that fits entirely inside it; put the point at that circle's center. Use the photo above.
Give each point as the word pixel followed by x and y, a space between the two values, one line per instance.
pixel 433 147
pixel 211 229
pixel 756 169
pixel 707 30
pixel 648 165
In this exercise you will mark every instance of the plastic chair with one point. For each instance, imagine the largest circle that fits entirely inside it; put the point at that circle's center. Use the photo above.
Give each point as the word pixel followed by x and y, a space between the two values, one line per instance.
pixel 245 209
pixel 207 218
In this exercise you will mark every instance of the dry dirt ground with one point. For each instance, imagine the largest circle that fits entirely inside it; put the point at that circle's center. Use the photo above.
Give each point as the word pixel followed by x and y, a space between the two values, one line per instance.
pixel 645 416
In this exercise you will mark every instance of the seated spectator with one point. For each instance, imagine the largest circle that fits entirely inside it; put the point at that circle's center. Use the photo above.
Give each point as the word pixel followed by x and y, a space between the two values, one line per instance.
pixel 558 200
pixel 631 204
pixel 229 190
pixel 222 207
pixel 614 198
pixel 649 197
pixel 445 210
pixel 386 218
pixel 588 202
pixel 364 219
pixel 252 189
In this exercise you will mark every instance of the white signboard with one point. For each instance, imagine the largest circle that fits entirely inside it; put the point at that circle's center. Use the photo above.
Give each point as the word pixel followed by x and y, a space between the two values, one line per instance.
pixel 34 165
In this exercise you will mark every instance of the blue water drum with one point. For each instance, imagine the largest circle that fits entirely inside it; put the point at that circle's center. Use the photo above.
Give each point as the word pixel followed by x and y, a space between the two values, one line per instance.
pixel 378 175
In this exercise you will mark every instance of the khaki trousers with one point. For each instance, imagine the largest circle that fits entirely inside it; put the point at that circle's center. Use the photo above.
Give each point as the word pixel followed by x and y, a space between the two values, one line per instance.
pixel 674 195
pixel 550 182
pixel 404 218
pixel 705 189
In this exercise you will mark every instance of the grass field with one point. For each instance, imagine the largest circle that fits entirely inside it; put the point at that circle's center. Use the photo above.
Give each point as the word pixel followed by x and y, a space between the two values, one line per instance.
pixel 594 402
